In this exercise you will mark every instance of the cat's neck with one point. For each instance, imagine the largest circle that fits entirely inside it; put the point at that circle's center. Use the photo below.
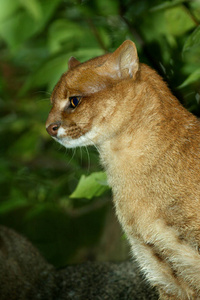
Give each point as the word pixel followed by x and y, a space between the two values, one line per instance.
pixel 158 120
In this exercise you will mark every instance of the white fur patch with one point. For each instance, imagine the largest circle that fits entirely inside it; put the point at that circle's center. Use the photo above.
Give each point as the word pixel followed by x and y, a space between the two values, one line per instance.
pixel 84 140
pixel 62 103
pixel 61 132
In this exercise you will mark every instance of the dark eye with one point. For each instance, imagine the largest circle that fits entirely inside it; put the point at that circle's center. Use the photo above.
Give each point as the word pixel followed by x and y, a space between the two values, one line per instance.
pixel 74 101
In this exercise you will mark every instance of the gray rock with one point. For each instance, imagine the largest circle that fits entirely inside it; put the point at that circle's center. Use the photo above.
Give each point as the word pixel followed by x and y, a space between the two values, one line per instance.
pixel 25 275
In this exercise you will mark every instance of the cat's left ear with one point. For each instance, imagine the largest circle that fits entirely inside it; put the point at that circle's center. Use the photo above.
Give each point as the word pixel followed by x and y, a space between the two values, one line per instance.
pixel 73 62
pixel 124 62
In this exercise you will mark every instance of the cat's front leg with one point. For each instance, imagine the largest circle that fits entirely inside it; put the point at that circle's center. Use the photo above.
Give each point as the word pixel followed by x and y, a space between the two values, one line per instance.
pixel 168 263
pixel 157 272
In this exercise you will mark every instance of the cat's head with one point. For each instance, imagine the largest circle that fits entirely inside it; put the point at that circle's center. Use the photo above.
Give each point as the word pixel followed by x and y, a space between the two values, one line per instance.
pixel 88 99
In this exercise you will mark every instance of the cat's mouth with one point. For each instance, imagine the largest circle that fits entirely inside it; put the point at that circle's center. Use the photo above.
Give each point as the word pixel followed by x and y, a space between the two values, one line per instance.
pixel 69 137
pixel 72 137
pixel 60 132
pixel 72 132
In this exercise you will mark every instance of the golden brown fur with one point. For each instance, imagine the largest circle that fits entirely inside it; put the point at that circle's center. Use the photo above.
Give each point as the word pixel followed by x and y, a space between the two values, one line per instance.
pixel 149 146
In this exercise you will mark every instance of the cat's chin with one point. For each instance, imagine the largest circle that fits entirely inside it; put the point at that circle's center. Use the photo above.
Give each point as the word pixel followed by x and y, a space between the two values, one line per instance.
pixel 68 142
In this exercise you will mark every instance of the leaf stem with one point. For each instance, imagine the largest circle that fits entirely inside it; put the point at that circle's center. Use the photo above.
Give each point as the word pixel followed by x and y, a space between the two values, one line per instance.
pixel 188 11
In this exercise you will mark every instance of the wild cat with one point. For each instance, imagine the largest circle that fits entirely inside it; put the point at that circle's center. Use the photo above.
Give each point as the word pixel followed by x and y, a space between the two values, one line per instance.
pixel 149 145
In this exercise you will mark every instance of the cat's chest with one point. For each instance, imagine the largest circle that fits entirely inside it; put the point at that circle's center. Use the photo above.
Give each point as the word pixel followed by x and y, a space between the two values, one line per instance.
pixel 130 193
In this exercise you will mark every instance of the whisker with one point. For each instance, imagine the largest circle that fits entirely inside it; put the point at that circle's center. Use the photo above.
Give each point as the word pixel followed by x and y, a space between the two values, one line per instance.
pixel 93 144
pixel 42 92
pixel 73 154
pixel 88 156
pixel 81 155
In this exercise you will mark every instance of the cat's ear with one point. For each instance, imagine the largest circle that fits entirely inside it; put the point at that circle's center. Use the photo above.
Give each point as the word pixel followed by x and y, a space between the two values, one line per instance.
pixel 73 62
pixel 124 61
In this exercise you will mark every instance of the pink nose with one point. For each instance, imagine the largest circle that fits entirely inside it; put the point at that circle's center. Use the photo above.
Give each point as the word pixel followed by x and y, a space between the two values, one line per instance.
pixel 52 129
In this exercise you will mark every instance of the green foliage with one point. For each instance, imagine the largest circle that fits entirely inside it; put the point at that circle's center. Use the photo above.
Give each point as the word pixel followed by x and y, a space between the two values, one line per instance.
pixel 194 77
pixel 91 186
pixel 193 41
pixel 24 19
pixel 45 193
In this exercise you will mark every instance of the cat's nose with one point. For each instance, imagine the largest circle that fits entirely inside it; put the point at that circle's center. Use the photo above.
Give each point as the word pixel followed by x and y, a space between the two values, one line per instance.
pixel 52 129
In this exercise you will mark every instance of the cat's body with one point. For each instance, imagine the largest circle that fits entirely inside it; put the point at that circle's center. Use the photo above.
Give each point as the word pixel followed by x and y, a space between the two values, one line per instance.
pixel 150 147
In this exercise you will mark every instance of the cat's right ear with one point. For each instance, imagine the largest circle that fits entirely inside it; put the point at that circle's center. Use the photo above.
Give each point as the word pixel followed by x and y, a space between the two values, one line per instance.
pixel 73 62
pixel 123 62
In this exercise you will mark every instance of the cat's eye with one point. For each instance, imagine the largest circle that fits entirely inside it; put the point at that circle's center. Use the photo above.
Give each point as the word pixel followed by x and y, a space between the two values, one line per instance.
pixel 74 101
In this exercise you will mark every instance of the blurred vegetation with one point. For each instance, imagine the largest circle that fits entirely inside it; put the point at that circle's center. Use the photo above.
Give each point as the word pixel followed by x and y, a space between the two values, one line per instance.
pixel 38 178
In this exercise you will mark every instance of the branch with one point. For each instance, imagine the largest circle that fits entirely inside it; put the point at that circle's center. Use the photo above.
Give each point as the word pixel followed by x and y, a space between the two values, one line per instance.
pixel 96 34
pixel 186 7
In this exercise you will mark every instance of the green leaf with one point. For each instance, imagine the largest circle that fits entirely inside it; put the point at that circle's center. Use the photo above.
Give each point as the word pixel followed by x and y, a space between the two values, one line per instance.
pixel 48 74
pixel 63 31
pixel 19 27
pixel 7 206
pixel 166 4
pixel 64 35
pixel 191 78
pixel 85 54
pixel 108 8
pixel 178 21
pixel 16 200
pixel 26 146
pixel 8 7
pixel 193 40
pixel 33 7
pixel 91 186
